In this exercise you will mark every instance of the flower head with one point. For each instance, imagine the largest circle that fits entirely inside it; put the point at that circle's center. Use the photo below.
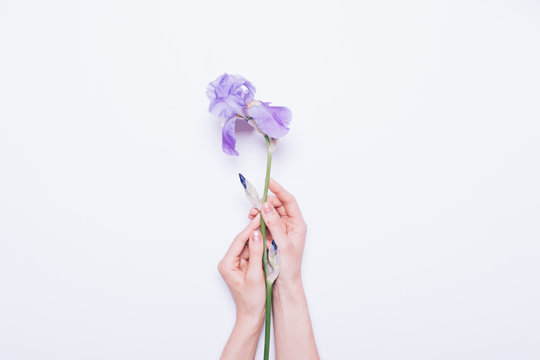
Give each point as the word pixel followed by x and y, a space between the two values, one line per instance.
pixel 232 98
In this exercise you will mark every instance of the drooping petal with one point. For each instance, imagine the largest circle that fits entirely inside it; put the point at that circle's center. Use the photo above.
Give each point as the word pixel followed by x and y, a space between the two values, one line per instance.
pixel 228 137
pixel 271 120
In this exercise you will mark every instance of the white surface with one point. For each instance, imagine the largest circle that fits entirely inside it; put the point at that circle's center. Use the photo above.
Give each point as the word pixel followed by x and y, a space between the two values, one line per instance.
pixel 413 152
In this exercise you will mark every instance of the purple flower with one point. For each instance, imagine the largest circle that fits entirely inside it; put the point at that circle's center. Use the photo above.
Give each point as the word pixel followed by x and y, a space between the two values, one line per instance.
pixel 231 98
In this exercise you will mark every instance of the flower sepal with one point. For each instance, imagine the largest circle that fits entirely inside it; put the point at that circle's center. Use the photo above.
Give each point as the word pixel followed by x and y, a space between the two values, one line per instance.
pixel 251 192
pixel 272 264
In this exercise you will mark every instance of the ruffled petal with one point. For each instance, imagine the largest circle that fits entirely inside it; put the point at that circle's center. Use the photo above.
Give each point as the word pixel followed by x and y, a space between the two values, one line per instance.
pixel 221 109
pixel 229 95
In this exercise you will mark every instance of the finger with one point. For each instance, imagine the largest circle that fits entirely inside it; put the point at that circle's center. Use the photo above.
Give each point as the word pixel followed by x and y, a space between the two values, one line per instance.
pixel 274 223
pixel 245 253
pixel 240 240
pixel 252 213
pixel 286 198
pixel 280 209
pixel 255 246
pixel 279 206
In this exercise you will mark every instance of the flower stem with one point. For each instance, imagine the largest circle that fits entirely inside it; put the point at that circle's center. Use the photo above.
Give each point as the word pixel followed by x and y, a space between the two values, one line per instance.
pixel 265 256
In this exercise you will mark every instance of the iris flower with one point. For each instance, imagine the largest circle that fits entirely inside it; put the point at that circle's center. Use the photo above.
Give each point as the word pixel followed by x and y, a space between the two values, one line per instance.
pixel 232 98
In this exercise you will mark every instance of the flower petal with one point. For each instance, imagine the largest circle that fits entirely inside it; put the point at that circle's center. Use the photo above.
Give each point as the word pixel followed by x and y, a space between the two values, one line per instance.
pixel 228 137
pixel 228 95
pixel 271 120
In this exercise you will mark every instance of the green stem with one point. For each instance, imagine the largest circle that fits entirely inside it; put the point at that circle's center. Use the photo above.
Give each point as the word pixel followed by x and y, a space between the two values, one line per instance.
pixel 265 257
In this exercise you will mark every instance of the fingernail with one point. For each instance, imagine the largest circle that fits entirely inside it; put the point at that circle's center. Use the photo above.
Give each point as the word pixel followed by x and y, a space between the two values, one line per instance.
pixel 267 208
pixel 256 236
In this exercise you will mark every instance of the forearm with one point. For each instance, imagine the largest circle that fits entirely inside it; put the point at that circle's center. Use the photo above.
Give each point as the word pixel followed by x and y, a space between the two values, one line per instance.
pixel 242 344
pixel 293 332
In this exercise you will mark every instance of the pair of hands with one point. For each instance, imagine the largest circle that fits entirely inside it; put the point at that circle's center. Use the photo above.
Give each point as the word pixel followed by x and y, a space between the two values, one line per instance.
pixel 241 267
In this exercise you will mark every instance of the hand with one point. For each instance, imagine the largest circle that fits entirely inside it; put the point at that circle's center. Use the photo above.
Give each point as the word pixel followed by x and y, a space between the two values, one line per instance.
pixel 241 268
pixel 293 333
pixel 288 229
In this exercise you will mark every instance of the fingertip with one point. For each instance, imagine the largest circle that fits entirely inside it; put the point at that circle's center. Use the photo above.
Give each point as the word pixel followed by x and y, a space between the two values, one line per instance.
pixel 254 219
pixel 255 243
pixel 252 213
pixel 273 184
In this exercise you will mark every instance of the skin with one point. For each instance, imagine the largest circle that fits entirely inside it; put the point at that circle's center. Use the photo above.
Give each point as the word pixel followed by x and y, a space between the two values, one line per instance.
pixel 241 269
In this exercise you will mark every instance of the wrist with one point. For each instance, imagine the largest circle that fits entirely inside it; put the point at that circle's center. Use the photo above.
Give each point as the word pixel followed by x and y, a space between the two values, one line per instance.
pixel 288 289
pixel 248 321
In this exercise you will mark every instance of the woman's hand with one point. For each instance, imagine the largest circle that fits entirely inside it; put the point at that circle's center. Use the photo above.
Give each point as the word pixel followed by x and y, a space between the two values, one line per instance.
pixel 293 333
pixel 288 229
pixel 242 270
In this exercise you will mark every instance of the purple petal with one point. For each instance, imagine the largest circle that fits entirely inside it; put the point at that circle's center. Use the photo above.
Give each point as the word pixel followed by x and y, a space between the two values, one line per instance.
pixel 271 120
pixel 228 137
pixel 229 95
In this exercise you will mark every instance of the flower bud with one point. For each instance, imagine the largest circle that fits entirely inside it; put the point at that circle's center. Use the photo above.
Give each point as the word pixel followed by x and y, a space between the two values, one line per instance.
pixel 273 263
pixel 251 192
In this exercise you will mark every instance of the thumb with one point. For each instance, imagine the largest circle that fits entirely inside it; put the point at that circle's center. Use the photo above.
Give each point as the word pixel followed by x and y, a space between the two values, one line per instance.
pixel 255 247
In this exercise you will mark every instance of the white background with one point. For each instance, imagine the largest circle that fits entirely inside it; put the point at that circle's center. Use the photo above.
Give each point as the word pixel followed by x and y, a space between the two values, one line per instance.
pixel 413 153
